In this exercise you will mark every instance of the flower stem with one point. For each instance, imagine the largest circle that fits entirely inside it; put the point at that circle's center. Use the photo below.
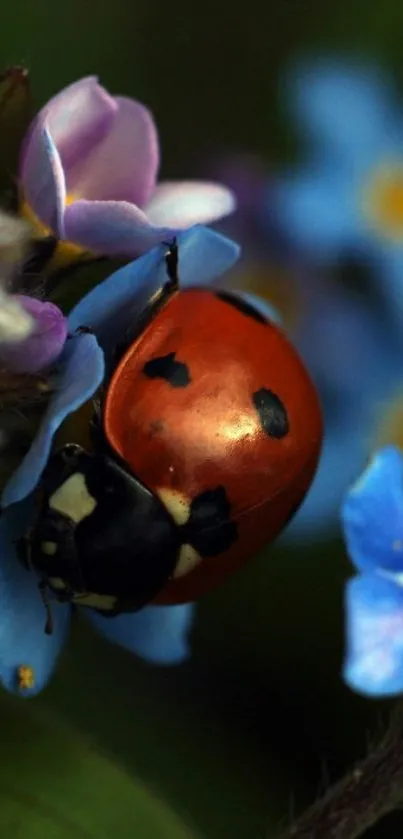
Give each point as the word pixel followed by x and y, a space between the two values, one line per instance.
pixel 363 796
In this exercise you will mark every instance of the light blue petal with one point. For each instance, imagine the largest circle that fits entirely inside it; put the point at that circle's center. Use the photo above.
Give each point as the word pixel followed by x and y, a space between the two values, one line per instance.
pixel 81 373
pixel 343 341
pixel 343 456
pixel 316 209
pixel 160 634
pixel 23 642
pixel 112 307
pixel 372 514
pixel 345 104
pixel 374 630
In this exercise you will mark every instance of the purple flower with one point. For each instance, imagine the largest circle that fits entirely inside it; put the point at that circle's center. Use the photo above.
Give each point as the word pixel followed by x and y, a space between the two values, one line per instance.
pixel 43 345
pixel 88 173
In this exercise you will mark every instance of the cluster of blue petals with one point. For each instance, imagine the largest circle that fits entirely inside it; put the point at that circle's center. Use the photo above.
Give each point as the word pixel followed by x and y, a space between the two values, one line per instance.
pixel 372 517
pixel 159 634
pixel 349 116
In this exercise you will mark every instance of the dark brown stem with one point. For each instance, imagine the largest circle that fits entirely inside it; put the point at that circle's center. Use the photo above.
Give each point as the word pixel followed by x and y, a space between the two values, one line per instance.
pixel 362 797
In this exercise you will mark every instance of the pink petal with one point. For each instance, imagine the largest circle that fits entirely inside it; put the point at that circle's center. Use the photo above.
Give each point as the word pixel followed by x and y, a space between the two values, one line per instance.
pixel 78 118
pixel 114 228
pixel 182 204
pixel 123 166
pixel 43 180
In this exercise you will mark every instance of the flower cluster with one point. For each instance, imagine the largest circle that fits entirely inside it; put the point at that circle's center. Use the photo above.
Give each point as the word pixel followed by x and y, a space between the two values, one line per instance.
pixel 346 204
pixel 86 187
pixel 158 633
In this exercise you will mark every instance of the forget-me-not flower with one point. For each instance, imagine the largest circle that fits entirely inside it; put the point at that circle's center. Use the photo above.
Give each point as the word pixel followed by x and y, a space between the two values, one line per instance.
pixel 347 196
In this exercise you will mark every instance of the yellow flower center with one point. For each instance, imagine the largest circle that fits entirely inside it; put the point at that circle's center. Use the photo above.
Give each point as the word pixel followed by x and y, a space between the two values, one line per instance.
pixel 25 677
pixel 383 201
pixel 390 427
pixel 66 252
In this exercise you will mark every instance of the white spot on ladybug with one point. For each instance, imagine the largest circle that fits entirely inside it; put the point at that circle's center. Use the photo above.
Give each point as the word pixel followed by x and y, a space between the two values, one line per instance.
pixel 57 583
pixel 72 499
pixel 92 600
pixel 188 560
pixel 49 548
pixel 176 503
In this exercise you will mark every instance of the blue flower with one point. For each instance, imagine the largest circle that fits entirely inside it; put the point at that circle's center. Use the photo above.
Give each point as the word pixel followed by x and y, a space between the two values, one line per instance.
pixel 372 517
pixel 348 197
pixel 158 633
pixel 356 365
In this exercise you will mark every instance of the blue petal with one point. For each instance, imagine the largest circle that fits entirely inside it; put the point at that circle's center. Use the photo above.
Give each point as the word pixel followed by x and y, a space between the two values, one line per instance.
pixel 23 642
pixel 81 373
pixel 374 629
pixel 160 634
pixel 387 259
pixel 345 104
pixel 342 341
pixel 112 307
pixel 372 514
pixel 316 209
pixel 343 456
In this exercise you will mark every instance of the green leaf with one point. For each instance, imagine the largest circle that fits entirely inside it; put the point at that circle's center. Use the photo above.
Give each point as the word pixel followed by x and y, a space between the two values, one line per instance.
pixel 15 116
pixel 55 785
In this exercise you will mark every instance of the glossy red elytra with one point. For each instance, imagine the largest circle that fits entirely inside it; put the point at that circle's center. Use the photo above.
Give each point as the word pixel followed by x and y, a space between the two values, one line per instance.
pixel 207 440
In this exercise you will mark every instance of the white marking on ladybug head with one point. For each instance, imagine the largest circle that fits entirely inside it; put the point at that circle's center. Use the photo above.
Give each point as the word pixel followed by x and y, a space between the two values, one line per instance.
pixel 72 499
pixel 176 503
pixel 49 548
pixel 188 560
pixel 92 600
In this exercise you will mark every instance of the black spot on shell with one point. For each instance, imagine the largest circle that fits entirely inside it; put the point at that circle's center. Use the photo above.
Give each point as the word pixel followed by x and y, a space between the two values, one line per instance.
pixel 242 305
pixel 166 367
pixel 156 427
pixel 272 413
pixel 209 528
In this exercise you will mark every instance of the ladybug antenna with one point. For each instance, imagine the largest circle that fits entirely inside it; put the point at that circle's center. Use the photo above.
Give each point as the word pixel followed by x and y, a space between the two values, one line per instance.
pixel 171 262
pixel 46 603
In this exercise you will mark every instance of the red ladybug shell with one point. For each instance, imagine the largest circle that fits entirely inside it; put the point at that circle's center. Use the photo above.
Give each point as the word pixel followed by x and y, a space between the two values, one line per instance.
pixel 212 395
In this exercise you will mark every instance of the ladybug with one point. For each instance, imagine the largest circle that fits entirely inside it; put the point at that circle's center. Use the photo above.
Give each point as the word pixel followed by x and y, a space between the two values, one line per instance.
pixel 205 440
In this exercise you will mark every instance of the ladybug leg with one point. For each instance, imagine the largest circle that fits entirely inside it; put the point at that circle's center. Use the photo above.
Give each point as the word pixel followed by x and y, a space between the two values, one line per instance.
pixel 41 253
pixel 81 330
pixel 171 261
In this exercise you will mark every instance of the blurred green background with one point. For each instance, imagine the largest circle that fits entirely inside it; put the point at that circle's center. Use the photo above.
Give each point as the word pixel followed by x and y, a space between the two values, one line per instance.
pixel 231 745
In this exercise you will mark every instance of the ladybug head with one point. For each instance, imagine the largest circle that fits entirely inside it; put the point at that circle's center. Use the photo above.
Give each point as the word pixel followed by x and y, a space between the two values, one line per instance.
pixel 102 540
